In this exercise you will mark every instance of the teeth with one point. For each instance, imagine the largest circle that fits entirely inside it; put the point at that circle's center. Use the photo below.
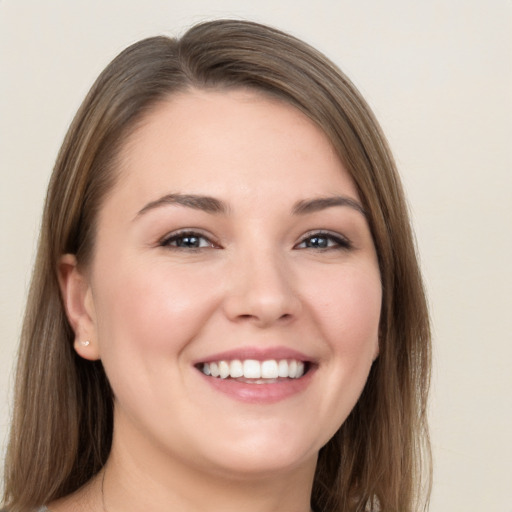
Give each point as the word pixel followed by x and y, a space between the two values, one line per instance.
pixel 252 369
pixel 269 369
pixel 283 368
pixel 292 369
pixel 223 369
pixel 257 370
pixel 236 369
pixel 214 370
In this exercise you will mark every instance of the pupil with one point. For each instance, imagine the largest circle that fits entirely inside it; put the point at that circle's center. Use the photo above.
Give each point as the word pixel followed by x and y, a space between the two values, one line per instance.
pixel 188 241
pixel 317 241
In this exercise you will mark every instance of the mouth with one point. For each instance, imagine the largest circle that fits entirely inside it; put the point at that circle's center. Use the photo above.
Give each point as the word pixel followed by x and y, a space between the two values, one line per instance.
pixel 252 371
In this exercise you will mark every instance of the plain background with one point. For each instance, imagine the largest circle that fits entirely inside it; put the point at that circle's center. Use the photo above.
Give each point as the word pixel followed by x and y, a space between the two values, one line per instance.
pixel 438 75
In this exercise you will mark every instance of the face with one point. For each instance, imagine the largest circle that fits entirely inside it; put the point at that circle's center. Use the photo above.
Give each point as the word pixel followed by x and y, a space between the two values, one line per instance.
pixel 234 294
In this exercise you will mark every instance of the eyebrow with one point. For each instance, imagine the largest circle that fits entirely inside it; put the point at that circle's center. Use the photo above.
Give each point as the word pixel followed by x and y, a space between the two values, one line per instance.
pixel 204 203
pixel 314 205
pixel 216 206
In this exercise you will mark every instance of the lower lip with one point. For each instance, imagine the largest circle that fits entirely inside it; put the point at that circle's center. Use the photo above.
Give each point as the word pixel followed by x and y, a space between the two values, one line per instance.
pixel 260 393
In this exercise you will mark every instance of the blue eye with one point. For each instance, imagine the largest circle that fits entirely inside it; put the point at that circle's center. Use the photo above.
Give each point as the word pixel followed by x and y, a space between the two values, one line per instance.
pixel 186 240
pixel 324 241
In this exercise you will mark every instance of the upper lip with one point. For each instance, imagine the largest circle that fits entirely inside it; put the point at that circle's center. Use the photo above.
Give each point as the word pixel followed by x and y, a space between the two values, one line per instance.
pixel 256 353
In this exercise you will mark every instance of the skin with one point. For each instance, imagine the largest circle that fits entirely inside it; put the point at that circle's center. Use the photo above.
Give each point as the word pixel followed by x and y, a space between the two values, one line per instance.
pixel 151 310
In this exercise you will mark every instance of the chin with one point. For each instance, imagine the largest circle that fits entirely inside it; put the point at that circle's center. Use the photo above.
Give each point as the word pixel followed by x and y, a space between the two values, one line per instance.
pixel 261 456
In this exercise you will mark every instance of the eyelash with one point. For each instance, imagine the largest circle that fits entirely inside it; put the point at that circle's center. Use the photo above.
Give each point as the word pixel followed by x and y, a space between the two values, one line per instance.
pixel 333 241
pixel 181 235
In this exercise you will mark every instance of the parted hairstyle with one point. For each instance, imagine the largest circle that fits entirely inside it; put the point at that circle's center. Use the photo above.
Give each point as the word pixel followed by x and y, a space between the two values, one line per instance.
pixel 61 432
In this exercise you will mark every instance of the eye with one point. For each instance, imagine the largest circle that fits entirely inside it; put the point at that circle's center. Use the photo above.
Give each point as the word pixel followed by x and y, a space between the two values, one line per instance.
pixel 187 240
pixel 324 241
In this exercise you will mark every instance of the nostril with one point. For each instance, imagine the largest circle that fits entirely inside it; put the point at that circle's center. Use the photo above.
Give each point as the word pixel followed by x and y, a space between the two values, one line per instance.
pixel 261 305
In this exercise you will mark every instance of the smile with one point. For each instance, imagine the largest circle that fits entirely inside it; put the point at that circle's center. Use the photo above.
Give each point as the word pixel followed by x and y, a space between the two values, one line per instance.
pixel 254 371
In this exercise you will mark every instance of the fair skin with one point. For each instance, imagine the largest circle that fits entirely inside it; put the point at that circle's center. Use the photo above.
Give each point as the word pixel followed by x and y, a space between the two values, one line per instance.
pixel 233 233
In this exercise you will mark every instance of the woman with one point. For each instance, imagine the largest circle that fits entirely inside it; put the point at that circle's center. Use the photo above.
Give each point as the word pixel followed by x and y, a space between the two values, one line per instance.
pixel 226 311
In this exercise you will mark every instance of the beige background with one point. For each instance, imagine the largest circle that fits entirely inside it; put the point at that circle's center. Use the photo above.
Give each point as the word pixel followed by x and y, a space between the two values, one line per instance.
pixel 439 77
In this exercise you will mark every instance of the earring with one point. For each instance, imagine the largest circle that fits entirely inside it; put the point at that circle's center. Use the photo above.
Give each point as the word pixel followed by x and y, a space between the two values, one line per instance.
pixel 84 343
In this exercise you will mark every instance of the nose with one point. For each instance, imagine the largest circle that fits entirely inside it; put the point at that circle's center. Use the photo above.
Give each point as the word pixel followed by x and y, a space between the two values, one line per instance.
pixel 260 290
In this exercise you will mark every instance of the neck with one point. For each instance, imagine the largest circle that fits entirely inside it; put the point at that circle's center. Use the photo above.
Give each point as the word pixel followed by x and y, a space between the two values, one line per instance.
pixel 133 484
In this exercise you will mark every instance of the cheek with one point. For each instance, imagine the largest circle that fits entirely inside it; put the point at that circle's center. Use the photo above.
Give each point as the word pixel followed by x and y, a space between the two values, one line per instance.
pixel 347 307
pixel 361 315
pixel 150 309
pixel 349 316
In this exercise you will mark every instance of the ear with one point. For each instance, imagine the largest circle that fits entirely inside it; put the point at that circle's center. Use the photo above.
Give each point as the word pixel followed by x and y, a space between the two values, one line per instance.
pixel 78 302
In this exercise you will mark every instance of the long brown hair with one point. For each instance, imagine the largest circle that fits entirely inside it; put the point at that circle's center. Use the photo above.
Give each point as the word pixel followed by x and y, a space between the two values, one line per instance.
pixel 62 422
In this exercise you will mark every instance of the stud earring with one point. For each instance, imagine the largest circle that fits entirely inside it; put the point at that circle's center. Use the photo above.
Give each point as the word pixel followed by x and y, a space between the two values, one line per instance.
pixel 84 343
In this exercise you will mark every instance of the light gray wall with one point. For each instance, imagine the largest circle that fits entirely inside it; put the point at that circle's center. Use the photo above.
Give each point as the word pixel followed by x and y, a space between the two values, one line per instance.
pixel 439 77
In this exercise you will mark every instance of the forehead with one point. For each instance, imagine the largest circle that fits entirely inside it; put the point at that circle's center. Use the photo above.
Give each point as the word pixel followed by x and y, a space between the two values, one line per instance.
pixel 229 143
